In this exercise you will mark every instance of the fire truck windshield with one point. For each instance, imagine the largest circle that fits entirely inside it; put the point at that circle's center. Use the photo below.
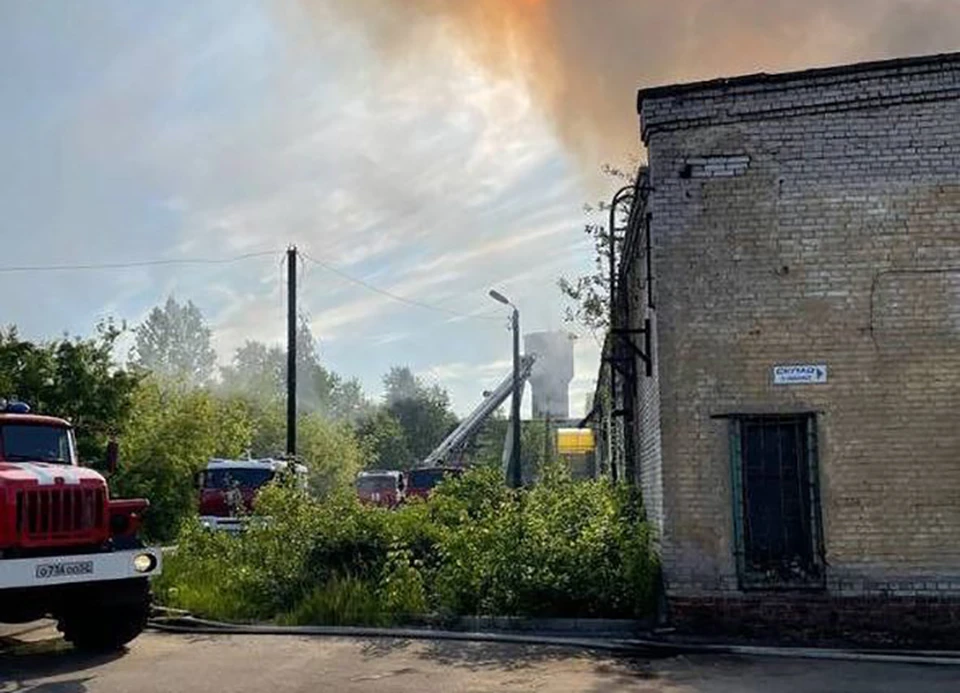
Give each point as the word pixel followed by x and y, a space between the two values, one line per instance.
pixel 426 478
pixel 32 443
pixel 244 478
pixel 368 484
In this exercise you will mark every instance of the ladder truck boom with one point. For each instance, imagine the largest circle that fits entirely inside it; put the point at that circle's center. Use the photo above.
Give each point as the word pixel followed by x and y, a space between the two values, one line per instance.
pixel 475 419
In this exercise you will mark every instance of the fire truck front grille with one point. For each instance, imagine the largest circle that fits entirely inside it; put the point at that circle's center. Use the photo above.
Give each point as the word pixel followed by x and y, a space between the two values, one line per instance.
pixel 59 513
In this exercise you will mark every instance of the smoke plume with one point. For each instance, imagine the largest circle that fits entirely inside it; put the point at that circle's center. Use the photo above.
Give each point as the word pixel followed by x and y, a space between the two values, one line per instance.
pixel 583 60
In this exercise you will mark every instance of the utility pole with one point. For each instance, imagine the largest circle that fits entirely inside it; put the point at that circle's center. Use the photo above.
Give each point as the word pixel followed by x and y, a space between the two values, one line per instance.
pixel 517 480
pixel 292 350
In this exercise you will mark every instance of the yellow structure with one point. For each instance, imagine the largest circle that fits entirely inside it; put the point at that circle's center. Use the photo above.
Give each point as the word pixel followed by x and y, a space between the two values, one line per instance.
pixel 575 441
pixel 578 447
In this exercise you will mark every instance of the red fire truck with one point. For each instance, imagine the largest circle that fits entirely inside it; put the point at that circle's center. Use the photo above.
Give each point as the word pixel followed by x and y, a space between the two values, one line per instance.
pixel 420 482
pixel 228 488
pixel 381 487
pixel 67 549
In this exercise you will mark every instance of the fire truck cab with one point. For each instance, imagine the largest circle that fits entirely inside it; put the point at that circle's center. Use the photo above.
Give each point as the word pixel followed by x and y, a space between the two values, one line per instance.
pixel 228 488
pixel 422 481
pixel 381 487
pixel 67 549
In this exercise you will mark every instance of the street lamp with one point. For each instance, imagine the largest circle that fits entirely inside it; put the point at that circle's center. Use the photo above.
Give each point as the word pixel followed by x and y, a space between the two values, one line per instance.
pixel 515 476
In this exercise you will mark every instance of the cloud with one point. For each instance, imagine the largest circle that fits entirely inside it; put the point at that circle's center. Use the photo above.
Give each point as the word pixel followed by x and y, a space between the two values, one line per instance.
pixel 327 322
pixel 492 248
pixel 389 338
pixel 458 371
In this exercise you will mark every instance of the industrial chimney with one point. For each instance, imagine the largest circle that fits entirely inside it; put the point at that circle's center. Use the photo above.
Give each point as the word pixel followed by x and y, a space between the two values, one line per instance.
pixel 552 373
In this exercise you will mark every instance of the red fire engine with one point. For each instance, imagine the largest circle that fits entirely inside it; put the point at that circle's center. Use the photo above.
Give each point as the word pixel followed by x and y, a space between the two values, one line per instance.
pixel 67 549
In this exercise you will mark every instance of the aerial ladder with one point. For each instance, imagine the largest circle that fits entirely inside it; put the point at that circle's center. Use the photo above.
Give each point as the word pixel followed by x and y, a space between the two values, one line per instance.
pixel 454 443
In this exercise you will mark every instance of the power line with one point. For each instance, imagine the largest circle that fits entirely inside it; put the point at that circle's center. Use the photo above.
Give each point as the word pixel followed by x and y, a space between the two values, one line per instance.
pixel 99 266
pixel 8 269
pixel 396 297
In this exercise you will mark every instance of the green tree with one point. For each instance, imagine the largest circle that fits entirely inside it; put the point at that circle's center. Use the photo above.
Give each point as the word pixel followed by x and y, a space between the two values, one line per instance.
pixel 383 441
pixel 400 384
pixel 486 448
pixel 537 450
pixel 331 451
pixel 347 400
pixel 422 412
pixel 269 426
pixel 73 378
pixel 259 372
pixel 174 342
pixel 171 435
pixel 537 447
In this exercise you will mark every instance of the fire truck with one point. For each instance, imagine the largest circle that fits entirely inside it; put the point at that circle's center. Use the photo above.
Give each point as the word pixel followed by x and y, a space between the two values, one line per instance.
pixel 422 481
pixel 228 488
pixel 67 549
pixel 381 487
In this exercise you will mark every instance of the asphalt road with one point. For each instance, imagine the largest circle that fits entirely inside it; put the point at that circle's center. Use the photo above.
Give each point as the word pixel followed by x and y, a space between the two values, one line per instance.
pixel 37 662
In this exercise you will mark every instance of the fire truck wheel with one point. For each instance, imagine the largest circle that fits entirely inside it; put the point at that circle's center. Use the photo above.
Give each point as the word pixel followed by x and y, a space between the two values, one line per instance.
pixel 104 628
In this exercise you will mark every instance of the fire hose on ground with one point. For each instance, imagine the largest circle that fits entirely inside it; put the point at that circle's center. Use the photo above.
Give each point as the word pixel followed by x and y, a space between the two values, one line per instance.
pixel 176 621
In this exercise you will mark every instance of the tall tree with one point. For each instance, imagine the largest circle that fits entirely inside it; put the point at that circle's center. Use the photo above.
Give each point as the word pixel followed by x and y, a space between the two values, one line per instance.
pixel 174 341
pixel 422 413
pixel 259 372
pixel 73 378
pixel 400 383
pixel 383 441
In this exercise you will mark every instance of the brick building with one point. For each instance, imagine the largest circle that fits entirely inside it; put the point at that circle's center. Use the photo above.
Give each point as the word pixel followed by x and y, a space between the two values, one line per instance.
pixel 793 252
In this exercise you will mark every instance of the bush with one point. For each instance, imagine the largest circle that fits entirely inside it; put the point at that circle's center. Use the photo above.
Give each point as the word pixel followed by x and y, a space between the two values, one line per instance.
pixel 172 433
pixel 561 549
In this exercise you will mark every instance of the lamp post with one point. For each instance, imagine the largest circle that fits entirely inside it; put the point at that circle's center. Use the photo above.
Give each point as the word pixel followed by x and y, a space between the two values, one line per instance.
pixel 515 476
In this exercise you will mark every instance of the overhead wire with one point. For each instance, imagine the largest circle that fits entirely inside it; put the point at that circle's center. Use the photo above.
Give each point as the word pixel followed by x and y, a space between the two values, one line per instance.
pixel 389 294
pixel 133 264
pixel 8 269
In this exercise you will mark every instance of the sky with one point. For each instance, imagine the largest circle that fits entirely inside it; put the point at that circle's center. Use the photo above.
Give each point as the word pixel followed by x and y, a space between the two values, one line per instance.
pixel 432 149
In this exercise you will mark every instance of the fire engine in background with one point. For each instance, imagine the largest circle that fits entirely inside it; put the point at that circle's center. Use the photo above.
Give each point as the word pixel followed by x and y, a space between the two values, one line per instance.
pixel 381 487
pixel 67 549
pixel 420 482
pixel 228 488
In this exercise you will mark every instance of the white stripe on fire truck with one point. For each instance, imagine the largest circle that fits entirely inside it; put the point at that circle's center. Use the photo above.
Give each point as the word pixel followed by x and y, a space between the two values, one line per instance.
pixel 46 477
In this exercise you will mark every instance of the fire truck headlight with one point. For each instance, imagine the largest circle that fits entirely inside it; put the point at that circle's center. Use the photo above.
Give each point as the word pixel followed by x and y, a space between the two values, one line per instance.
pixel 144 562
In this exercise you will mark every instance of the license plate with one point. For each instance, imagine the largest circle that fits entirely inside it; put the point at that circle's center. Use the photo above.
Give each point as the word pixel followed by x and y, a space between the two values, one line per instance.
pixel 54 570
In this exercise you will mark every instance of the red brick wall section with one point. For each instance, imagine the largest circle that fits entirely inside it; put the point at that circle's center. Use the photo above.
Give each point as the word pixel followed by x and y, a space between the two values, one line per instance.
pixel 820 619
